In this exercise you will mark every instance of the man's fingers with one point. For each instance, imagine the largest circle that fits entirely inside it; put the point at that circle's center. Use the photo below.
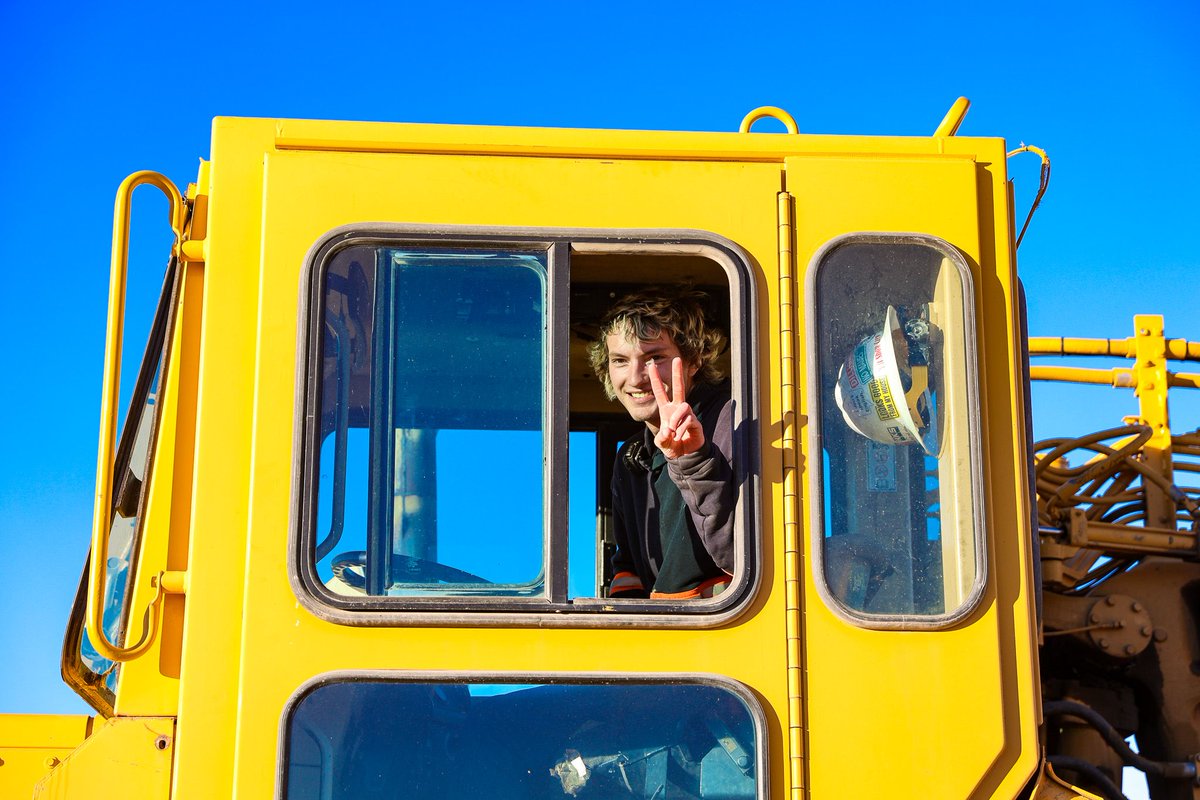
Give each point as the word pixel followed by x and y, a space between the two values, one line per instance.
pixel 656 384
pixel 677 390
pixel 687 428
pixel 681 426
pixel 682 436
pixel 679 417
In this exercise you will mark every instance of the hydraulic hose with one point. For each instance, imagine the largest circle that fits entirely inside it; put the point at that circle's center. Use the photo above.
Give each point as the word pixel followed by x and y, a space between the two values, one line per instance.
pixel 1163 769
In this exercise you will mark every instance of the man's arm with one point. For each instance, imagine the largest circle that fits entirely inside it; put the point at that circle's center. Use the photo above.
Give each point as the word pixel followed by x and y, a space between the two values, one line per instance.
pixel 705 480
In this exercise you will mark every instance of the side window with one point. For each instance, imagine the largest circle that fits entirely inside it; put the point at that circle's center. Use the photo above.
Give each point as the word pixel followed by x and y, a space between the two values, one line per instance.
pixel 88 672
pixel 899 531
pixel 459 446
pixel 432 409
pixel 372 736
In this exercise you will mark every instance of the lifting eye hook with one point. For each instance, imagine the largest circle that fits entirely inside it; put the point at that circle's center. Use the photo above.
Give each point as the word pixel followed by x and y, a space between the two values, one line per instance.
pixel 762 112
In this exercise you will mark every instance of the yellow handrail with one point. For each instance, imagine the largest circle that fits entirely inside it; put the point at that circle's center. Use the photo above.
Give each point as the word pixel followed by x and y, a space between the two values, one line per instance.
pixel 102 512
pixel 1176 349
pixel 1120 378
pixel 1117 377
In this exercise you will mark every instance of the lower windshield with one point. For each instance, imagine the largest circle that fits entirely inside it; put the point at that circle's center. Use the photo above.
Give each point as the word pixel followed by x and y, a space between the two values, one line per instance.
pixel 650 741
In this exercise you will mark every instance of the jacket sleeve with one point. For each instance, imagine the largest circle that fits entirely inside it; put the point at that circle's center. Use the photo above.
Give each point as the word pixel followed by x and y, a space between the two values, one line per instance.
pixel 705 479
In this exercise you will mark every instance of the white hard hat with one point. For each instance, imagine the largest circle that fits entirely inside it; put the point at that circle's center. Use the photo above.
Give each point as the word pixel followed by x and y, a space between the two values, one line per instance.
pixel 882 395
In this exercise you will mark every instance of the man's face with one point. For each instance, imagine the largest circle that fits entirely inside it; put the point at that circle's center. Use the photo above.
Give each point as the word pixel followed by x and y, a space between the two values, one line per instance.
pixel 628 369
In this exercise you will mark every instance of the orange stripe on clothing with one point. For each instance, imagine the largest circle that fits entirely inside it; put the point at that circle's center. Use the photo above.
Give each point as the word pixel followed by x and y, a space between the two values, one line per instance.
pixel 626 582
pixel 710 588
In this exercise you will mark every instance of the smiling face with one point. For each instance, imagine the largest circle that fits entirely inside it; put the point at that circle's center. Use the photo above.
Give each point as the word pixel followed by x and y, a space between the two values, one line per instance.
pixel 628 369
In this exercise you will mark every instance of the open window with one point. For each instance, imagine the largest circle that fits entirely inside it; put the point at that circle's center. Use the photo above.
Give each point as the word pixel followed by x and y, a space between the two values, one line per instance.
pixel 90 674
pixel 458 449
pixel 897 491
pixel 366 735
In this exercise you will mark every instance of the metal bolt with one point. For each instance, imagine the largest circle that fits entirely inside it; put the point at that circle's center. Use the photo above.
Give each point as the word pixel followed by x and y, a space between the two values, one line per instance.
pixel 1094 618
pixel 1103 644
pixel 1129 649
pixel 1160 635
pixel 1146 630
pixel 1135 605
pixel 52 762
pixel 1110 600
pixel 743 761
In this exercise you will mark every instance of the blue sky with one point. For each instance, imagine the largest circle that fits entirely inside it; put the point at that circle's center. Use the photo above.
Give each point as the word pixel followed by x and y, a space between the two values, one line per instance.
pixel 92 92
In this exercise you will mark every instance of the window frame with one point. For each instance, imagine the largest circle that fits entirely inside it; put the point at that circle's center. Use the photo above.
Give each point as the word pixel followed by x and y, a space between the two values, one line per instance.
pixel 554 608
pixel 816 477
pixel 753 706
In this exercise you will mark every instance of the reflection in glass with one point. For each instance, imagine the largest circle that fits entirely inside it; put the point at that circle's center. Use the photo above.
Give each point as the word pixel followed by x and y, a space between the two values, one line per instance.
pixel 462 740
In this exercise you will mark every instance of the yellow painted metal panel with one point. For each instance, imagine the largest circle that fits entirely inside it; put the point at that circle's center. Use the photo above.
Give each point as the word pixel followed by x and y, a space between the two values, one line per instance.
pixel 32 744
pixel 948 713
pixel 307 195
pixel 225 385
pixel 375 137
pixel 211 652
pixel 126 757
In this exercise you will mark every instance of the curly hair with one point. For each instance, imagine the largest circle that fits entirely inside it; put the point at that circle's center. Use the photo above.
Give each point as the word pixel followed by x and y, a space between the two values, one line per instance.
pixel 643 315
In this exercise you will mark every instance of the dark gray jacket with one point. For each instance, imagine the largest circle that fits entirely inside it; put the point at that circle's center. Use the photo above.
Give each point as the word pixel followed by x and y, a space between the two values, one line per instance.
pixel 670 551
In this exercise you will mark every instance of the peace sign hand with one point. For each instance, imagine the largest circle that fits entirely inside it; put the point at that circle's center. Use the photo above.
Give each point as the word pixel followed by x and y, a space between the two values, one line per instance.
pixel 679 431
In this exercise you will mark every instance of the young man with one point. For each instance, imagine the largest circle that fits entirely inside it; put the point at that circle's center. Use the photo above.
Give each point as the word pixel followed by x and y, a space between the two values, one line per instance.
pixel 673 490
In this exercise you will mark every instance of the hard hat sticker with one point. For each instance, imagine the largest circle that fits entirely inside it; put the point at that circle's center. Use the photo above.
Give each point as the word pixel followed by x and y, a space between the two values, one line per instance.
pixel 871 390
pixel 885 406
pixel 861 368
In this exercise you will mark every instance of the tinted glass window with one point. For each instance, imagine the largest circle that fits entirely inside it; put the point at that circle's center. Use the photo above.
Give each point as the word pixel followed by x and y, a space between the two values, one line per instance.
pixel 460 740
pixel 895 350
pixel 431 423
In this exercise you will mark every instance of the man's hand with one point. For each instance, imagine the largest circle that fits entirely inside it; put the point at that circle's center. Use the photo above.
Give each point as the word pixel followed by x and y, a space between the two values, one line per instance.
pixel 679 432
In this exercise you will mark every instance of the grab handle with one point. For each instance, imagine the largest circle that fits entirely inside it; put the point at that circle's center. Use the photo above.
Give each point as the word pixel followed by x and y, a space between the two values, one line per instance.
pixel 102 512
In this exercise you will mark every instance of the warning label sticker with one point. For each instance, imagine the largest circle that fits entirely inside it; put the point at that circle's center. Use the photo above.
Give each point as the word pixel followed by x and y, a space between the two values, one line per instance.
pixel 885 405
